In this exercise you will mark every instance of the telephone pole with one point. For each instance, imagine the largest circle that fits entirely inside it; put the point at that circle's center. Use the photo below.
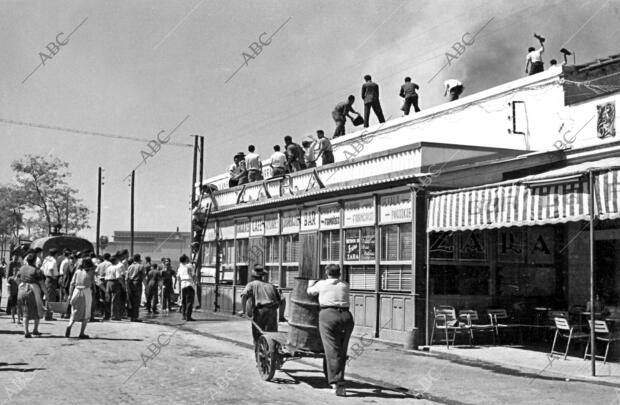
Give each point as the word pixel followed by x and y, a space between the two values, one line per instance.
pixel 133 183
pixel 98 232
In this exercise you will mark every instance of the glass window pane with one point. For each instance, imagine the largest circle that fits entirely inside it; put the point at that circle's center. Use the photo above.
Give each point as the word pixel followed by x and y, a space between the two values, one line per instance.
pixel 325 245
pixel 362 277
pixel 352 245
pixel 367 246
pixel 335 246
pixel 405 241
pixel 396 278
pixel 389 242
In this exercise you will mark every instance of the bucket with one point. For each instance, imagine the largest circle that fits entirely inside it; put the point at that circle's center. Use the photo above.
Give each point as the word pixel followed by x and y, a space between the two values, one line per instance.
pixel 303 331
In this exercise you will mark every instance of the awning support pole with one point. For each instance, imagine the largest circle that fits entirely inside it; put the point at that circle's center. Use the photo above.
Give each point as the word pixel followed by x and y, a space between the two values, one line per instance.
pixel 592 308
pixel 428 288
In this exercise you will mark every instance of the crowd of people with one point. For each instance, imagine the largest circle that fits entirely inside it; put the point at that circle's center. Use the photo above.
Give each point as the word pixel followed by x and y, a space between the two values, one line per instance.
pixel 248 168
pixel 82 286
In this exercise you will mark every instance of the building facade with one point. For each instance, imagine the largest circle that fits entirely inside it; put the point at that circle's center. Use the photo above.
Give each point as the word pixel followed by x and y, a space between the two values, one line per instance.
pixel 375 211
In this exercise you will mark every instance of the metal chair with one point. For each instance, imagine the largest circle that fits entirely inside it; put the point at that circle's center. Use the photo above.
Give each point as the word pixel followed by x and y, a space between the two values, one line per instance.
pixel 607 336
pixel 444 319
pixel 472 321
pixel 499 320
pixel 565 330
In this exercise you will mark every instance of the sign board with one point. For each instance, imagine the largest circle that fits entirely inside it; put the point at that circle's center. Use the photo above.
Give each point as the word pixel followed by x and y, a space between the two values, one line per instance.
pixel 242 228
pixel 257 226
pixel 227 230
pixel 272 224
pixel 290 222
pixel 310 219
pixel 359 212
pixel 329 217
pixel 395 208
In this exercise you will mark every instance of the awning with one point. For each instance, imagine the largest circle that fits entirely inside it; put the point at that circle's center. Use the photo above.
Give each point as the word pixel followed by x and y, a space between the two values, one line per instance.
pixel 556 196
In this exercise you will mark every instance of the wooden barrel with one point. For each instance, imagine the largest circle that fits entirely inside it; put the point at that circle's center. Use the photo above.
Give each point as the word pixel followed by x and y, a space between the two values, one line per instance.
pixel 303 331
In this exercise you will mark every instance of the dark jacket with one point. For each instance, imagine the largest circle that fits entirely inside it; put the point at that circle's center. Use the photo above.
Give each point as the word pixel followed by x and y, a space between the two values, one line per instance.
pixel 370 92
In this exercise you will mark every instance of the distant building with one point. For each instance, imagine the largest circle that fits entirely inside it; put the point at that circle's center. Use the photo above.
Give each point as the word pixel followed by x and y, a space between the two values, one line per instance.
pixel 156 244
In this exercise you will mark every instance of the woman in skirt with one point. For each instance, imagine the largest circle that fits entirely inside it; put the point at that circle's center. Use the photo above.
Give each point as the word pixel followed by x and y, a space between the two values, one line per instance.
pixel 29 294
pixel 81 297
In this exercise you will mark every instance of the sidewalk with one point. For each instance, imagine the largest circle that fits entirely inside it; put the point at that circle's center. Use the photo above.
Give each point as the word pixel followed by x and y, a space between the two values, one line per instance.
pixel 510 360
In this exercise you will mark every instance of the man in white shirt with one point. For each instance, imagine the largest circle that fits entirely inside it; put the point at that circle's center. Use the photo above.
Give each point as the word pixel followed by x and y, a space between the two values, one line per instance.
pixel 277 161
pixel 100 273
pixel 114 286
pixel 534 57
pixel 335 324
pixel 454 87
pixel 50 270
pixel 253 165
pixel 185 276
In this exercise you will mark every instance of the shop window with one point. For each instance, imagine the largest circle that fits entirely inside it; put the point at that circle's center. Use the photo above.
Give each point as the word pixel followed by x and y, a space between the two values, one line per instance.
pixel 209 254
pixel 241 252
pixel 396 242
pixel 272 249
pixel 290 248
pixel 460 280
pixel 330 246
pixel 273 274
pixel 290 272
pixel 242 274
pixel 361 277
pixel 227 265
pixel 396 277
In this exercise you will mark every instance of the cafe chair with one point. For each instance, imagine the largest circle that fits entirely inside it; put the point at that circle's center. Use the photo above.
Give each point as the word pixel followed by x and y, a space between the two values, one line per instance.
pixel 446 321
pixel 604 334
pixel 565 330
pixel 472 321
pixel 499 320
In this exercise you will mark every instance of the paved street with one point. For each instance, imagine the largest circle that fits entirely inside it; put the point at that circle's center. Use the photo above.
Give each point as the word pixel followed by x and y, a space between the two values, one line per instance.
pixel 210 361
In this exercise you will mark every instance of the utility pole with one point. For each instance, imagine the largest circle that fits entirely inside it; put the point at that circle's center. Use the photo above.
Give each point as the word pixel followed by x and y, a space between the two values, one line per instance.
pixel 98 210
pixel 133 183
pixel 67 214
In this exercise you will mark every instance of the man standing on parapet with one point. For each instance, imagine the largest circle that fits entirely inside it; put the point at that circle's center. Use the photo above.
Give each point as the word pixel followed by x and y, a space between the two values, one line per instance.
pixel 408 92
pixel 534 57
pixel 253 165
pixel 454 88
pixel 266 302
pixel 370 95
pixel 340 114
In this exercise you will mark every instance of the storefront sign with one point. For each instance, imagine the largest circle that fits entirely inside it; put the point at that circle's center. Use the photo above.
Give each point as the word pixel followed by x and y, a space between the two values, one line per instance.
pixel 329 217
pixel 359 213
pixel 257 226
pixel 472 245
pixel 210 233
pixel 242 228
pixel 395 208
pixel 227 230
pixel 290 222
pixel 272 224
pixel 540 245
pixel 510 245
pixel 310 219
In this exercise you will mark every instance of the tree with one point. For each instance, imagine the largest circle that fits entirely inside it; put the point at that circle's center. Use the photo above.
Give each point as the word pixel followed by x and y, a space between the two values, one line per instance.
pixel 11 211
pixel 45 190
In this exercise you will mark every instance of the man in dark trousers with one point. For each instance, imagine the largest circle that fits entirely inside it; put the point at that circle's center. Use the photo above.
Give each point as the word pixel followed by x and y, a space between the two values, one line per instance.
pixel 266 300
pixel 370 95
pixel 186 279
pixel 168 277
pixel 340 114
pixel 335 324
pixel 135 277
pixel 152 284
pixel 408 92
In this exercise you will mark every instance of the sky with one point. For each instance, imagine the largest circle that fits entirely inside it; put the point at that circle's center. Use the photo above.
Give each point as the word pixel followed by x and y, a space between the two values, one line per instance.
pixel 132 69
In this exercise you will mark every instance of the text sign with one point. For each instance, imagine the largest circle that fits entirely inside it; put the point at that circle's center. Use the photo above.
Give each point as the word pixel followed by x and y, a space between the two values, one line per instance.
pixel 272 224
pixel 310 219
pixel 257 226
pixel 329 217
pixel 242 228
pixel 359 213
pixel 395 208
pixel 290 222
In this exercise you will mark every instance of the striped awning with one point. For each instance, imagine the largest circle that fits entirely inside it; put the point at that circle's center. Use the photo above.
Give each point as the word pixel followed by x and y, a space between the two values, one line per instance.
pixel 556 196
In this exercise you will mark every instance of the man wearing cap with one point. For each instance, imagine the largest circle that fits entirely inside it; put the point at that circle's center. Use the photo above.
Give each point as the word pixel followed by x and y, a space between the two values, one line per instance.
pixel 335 324
pixel 135 277
pixel 50 270
pixel 266 302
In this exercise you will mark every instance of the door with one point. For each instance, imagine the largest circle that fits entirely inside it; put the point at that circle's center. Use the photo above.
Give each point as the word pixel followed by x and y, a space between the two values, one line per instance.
pixel 309 256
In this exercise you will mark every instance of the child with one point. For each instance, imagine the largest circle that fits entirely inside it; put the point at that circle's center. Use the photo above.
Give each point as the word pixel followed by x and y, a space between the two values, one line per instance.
pixel 12 305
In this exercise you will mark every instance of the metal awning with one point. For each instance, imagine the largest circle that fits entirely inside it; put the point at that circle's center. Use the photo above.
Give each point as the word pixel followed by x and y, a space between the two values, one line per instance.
pixel 555 196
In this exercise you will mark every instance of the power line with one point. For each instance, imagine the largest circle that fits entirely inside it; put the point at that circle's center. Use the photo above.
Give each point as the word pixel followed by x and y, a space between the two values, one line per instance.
pixel 82 132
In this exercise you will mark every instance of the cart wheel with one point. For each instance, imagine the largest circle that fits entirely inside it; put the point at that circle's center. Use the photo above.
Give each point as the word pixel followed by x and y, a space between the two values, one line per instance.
pixel 266 357
pixel 325 368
